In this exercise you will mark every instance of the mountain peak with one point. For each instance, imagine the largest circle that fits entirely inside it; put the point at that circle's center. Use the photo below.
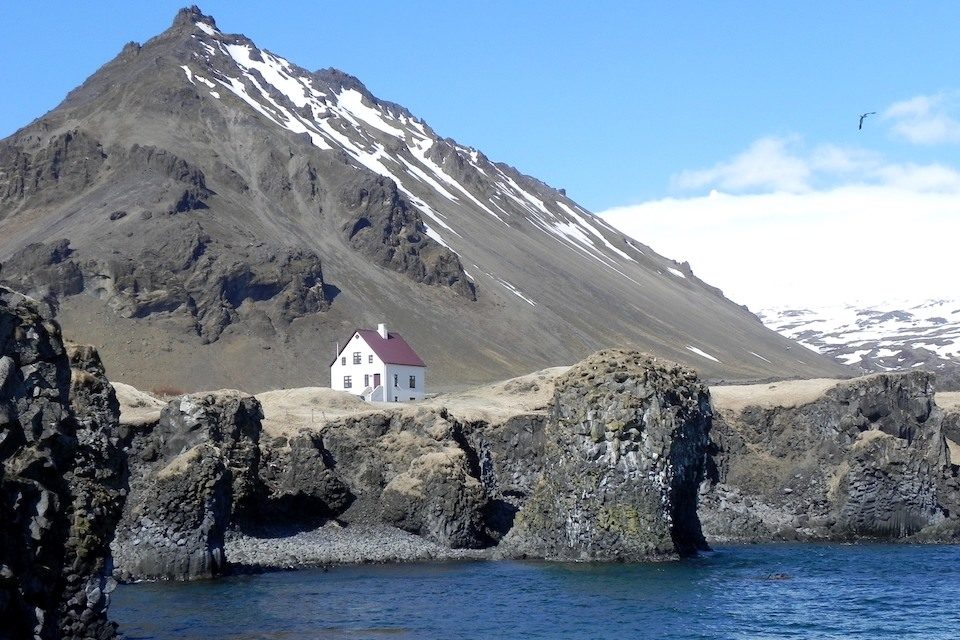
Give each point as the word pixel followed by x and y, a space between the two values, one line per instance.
pixel 190 16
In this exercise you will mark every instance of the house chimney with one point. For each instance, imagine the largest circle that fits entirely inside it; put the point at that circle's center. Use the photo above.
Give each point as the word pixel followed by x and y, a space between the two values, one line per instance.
pixel 382 330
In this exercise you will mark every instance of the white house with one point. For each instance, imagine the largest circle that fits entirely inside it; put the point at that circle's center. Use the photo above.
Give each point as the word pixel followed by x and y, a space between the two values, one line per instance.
pixel 379 367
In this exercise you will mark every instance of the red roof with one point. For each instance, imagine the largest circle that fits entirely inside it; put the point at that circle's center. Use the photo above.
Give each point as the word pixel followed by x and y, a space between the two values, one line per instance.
pixel 393 350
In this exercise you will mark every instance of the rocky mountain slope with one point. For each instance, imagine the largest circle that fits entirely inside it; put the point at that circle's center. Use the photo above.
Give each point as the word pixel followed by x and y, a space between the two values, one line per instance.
pixel 200 204
pixel 883 337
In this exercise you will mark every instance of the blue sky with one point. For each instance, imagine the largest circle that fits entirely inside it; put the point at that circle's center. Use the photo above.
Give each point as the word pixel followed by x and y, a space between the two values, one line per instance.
pixel 646 107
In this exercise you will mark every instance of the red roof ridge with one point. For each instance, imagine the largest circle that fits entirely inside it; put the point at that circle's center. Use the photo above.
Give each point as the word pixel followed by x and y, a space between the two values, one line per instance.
pixel 392 350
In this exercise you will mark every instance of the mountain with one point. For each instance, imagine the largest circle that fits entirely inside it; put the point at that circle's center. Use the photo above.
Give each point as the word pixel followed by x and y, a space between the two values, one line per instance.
pixel 882 337
pixel 212 215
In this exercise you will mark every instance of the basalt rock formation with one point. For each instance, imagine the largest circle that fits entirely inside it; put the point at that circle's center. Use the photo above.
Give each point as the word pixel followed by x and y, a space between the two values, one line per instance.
pixel 609 460
pixel 407 468
pixel 630 429
pixel 98 489
pixel 62 478
pixel 298 482
pixel 192 472
pixel 866 459
pixel 626 449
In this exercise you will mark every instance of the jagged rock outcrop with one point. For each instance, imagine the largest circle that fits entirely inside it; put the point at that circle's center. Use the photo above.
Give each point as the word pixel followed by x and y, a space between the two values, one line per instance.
pixel 61 480
pixel 407 468
pixel 866 459
pixel 381 224
pixel 65 164
pixel 951 427
pixel 438 498
pixel 98 489
pixel 299 482
pixel 509 458
pixel 185 274
pixel 626 449
pixel 191 474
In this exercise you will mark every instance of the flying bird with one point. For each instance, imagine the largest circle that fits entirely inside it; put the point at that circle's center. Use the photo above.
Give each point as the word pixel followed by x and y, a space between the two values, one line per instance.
pixel 863 117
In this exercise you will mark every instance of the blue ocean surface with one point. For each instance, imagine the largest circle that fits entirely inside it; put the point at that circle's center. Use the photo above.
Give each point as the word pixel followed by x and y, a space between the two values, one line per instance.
pixel 766 591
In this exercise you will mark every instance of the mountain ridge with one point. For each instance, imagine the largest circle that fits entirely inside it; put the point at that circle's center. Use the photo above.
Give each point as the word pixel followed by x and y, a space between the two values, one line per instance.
pixel 880 337
pixel 199 204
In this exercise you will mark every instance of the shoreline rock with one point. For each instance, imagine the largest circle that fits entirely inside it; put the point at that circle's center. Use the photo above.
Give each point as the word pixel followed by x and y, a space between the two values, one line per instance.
pixel 62 480
pixel 864 459
pixel 626 450
pixel 192 473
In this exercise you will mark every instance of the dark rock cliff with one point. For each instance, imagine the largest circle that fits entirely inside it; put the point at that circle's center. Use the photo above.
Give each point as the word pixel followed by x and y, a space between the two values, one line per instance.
pixel 98 488
pixel 191 474
pixel 623 448
pixel 409 470
pixel 868 459
pixel 62 475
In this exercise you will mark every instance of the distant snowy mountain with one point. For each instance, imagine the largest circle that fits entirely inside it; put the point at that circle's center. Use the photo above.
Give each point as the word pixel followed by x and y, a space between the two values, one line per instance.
pixel 882 337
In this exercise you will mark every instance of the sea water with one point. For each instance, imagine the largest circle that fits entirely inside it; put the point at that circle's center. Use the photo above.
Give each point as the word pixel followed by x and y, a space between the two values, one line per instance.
pixel 765 591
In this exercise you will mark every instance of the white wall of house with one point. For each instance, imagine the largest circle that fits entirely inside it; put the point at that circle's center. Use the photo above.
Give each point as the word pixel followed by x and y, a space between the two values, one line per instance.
pixel 361 375
pixel 404 375
pixel 358 378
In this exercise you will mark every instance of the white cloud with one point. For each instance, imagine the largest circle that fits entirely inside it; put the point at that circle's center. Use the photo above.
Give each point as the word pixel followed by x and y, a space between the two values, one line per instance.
pixel 843 225
pixel 920 178
pixel 767 164
pixel 925 119
pixel 783 164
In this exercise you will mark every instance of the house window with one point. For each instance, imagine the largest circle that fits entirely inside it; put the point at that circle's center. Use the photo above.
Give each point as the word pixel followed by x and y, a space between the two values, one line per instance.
pixel 370 359
pixel 413 382
pixel 366 380
pixel 347 382
pixel 396 379
pixel 343 360
pixel 356 357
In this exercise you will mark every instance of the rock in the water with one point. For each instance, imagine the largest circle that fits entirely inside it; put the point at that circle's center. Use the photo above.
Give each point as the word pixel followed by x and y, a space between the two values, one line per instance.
pixel 626 448
pixel 865 459
pixel 190 474
pixel 61 481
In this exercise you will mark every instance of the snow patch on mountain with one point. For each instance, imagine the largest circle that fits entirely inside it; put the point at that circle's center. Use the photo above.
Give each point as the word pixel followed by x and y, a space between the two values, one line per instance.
pixel 352 101
pixel 206 28
pixel 701 352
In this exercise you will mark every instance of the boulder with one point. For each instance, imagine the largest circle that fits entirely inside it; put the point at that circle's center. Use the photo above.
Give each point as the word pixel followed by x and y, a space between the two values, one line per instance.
pixel 625 451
